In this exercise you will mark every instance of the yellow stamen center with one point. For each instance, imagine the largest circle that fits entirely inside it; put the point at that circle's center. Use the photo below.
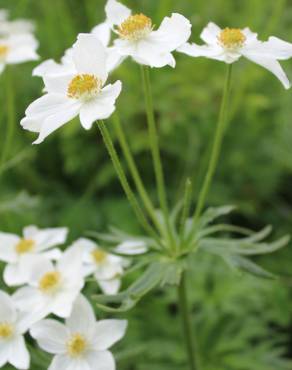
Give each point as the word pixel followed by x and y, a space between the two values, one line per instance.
pixel 99 256
pixel 77 345
pixel 3 51
pixel 84 86
pixel 50 282
pixel 135 27
pixel 25 246
pixel 231 38
pixel 6 330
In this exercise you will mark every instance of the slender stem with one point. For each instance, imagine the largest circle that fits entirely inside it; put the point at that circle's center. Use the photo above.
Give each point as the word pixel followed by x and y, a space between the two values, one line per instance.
pixel 186 206
pixel 216 149
pixel 10 105
pixel 155 152
pixel 123 179
pixel 134 171
pixel 187 324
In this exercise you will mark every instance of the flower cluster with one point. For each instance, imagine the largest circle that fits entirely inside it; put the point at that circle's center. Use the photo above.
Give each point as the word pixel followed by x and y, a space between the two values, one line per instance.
pixel 17 41
pixel 50 281
pixel 77 85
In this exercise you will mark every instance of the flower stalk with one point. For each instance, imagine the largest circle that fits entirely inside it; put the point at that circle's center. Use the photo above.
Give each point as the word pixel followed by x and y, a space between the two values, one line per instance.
pixel 187 325
pixel 216 148
pixel 154 142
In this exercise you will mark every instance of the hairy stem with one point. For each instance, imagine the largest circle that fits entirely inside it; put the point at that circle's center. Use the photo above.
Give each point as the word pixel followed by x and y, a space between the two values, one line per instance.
pixel 187 325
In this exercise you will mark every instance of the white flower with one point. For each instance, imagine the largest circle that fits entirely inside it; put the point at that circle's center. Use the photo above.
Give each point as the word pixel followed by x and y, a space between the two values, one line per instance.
pixel 19 26
pixel 132 247
pixel 13 325
pixel 81 92
pixel 229 44
pixel 106 268
pixel 3 15
pixel 52 288
pixel 19 48
pixel 81 344
pixel 17 251
pixel 138 39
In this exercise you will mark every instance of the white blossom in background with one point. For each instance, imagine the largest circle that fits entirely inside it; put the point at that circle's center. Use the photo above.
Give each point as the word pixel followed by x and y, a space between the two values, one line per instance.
pixel 230 44
pixel 18 252
pixel 81 92
pixel 17 48
pixel 132 247
pixel 82 343
pixel 105 267
pixel 52 288
pixel 138 39
pixel 3 15
pixel 13 326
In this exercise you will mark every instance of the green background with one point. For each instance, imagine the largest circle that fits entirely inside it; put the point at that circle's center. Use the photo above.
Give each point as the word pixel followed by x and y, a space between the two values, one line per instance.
pixel 242 323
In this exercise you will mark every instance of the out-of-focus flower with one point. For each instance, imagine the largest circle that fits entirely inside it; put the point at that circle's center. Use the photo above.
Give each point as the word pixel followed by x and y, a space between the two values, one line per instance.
pixel 52 288
pixel 229 44
pixel 17 251
pixel 3 15
pixel 17 48
pixel 106 268
pixel 138 39
pixel 79 92
pixel 83 342
pixel 13 325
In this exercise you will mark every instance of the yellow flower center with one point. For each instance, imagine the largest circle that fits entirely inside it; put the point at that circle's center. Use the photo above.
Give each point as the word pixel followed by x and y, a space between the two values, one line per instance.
pixel 84 86
pixel 3 51
pixel 6 330
pixel 231 38
pixel 50 282
pixel 99 256
pixel 76 345
pixel 135 27
pixel 25 246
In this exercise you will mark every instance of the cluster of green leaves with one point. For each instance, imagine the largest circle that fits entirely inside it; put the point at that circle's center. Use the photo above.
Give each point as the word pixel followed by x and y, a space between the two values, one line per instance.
pixel 242 323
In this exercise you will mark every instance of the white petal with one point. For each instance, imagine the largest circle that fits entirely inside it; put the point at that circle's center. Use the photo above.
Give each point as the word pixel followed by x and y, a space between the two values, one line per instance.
pixel 70 264
pixel 208 51
pixel 30 231
pixel 63 302
pixel 7 247
pixel 2 67
pixel 4 353
pixel 210 34
pixel 51 336
pixel 100 107
pixel 22 48
pixel 110 287
pixel 272 66
pixel 132 247
pixel 113 59
pixel 37 266
pixel 48 238
pixel 89 56
pixel 53 254
pixel 64 362
pixel 30 300
pixel 48 67
pixel 102 32
pixel 15 274
pixel 108 332
pixel 173 32
pixel 98 360
pixel 251 37
pixel 7 308
pixel 67 111
pixel 82 318
pixel 58 84
pixel 19 355
pixel 116 12
pixel 274 48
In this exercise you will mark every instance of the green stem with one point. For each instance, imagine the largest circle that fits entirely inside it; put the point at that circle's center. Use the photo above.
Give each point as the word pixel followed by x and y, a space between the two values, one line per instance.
pixel 153 135
pixel 134 171
pixel 123 179
pixel 10 105
pixel 216 149
pixel 187 324
pixel 186 206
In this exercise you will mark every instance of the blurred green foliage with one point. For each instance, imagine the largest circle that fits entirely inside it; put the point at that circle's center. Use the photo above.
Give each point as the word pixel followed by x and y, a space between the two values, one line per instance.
pixel 241 323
